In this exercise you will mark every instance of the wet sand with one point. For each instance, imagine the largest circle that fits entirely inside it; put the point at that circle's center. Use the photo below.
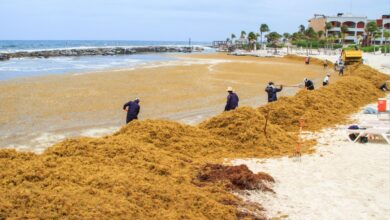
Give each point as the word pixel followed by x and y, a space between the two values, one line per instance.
pixel 37 112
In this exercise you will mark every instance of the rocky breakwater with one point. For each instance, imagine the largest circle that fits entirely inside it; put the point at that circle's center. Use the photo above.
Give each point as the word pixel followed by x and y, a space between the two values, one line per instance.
pixel 107 51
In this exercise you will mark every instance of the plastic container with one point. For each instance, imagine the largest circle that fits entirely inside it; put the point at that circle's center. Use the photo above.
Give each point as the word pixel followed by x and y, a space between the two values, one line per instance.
pixel 381 105
pixel 388 103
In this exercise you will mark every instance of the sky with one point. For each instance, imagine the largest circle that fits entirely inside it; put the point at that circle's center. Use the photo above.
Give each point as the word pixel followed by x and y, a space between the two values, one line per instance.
pixel 200 20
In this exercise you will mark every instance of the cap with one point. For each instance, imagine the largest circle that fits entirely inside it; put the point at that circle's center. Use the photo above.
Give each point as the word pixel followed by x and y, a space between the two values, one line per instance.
pixel 270 83
pixel 229 89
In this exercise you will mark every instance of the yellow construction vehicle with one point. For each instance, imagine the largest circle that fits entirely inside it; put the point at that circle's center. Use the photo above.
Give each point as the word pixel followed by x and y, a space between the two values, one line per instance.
pixel 351 56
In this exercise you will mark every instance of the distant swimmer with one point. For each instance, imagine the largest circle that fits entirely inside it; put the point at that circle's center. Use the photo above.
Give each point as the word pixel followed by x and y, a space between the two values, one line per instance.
pixel 309 85
pixel 325 82
pixel 272 90
pixel 232 100
pixel 132 109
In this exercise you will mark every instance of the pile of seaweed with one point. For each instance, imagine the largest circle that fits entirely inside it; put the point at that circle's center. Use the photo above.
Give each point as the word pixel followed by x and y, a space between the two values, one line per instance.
pixel 236 177
pixel 107 178
pixel 313 60
pixel 144 171
pixel 328 105
pixel 149 169
pixel 251 134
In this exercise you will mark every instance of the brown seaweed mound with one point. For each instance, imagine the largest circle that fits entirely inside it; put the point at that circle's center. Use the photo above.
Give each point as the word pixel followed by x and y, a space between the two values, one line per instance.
pixel 106 178
pixel 177 138
pixel 237 177
pixel 246 127
pixel 368 73
pixel 312 60
pixel 322 107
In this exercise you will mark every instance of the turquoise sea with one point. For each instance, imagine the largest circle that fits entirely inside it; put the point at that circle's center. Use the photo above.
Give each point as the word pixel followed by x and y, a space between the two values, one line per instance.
pixel 28 67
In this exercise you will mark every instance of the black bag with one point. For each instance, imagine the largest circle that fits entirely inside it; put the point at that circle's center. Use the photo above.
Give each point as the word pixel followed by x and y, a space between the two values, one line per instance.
pixel 353 137
pixel 363 140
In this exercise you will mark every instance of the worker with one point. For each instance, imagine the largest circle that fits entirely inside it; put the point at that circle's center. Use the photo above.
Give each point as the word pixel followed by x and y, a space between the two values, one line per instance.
pixel 309 85
pixel 272 90
pixel 132 109
pixel 307 60
pixel 325 82
pixel 232 100
pixel 325 64
pixel 341 70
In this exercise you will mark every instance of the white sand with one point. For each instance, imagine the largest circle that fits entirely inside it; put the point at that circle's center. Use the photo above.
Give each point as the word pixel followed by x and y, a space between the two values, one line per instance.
pixel 342 180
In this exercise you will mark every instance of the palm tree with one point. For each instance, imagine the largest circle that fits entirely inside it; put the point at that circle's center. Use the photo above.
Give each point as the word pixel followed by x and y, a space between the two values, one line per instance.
pixel 243 34
pixel 286 36
pixel 320 33
pixel 376 35
pixel 310 33
pixel 371 28
pixel 386 35
pixel 344 31
pixel 273 38
pixel 328 26
pixel 331 38
pixel 252 38
pixel 302 28
pixel 263 29
pixel 232 36
pixel 359 39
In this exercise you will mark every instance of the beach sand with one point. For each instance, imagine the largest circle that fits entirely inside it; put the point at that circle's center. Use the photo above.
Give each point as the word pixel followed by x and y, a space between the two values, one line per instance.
pixel 342 180
pixel 40 111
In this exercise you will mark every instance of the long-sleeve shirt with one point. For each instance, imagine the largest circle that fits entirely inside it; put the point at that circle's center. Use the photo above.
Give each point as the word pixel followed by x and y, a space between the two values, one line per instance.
pixel 271 90
pixel 133 109
pixel 232 101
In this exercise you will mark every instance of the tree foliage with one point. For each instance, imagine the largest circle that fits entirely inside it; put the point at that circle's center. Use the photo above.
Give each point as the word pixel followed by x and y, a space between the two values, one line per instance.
pixel 263 29
pixel 243 34
pixel 302 28
pixel 273 38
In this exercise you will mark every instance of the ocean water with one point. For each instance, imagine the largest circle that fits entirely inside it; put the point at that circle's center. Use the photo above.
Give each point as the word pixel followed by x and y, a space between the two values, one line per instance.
pixel 33 45
pixel 29 67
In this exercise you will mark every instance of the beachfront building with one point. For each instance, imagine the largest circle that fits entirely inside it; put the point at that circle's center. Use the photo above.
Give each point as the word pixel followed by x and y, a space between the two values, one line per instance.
pixel 355 24
pixel 383 24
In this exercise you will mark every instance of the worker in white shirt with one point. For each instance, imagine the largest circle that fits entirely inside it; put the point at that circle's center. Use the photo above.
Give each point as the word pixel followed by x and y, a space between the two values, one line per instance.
pixel 326 80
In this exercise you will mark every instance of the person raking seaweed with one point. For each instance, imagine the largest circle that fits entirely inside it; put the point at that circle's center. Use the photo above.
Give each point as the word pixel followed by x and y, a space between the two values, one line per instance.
pixel 272 91
pixel 132 108
pixel 232 100
pixel 325 82
pixel 309 85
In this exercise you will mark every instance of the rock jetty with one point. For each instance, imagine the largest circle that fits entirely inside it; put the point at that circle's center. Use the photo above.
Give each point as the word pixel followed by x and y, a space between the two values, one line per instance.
pixel 106 51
